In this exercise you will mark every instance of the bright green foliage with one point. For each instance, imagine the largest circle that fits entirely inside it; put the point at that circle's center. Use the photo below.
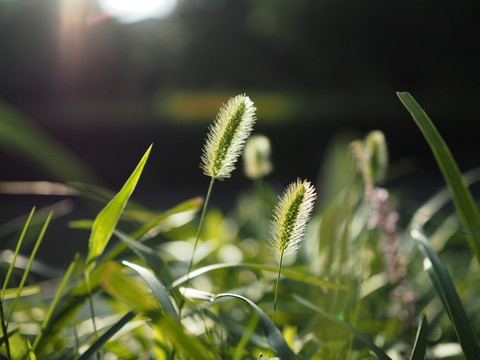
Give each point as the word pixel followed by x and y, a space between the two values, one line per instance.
pixel 356 289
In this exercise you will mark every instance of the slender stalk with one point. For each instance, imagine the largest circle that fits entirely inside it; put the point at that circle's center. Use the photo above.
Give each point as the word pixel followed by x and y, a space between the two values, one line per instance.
pixel 275 298
pixel 92 309
pixel 17 250
pixel 199 230
pixel 77 341
pixel 200 225
pixel 27 269
pixel 53 305
pixel 4 329
pixel 276 287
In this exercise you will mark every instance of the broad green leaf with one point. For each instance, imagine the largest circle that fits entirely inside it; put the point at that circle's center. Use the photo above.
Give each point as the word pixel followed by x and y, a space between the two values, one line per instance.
pixel 182 343
pixel 154 261
pixel 126 289
pixel 462 197
pixel 98 344
pixel 420 347
pixel 10 333
pixel 261 357
pixel 274 336
pixel 445 288
pixel 120 350
pixel 157 288
pixel 19 135
pixel 107 219
pixel 18 346
pixel 361 337
pixel 286 273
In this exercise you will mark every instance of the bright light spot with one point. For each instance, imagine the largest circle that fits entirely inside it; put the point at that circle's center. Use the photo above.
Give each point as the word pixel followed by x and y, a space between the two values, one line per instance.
pixel 130 11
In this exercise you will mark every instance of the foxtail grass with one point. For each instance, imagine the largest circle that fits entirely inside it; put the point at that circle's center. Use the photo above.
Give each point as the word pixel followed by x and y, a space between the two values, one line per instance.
pixel 290 218
pixel 224 144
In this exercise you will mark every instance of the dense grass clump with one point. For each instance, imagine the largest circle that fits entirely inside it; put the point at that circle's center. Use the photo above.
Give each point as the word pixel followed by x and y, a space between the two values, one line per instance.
pixel 192 282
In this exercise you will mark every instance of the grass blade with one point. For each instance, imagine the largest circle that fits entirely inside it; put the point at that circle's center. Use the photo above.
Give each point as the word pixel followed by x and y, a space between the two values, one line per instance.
pixel 420 346
pixel 274 336
pixel 98 344
pixel 157 288
pixel 182 343
pixel 286 273
pixel 107 219
pixel 17 250
pixel 445 288
pixel 7 278
pixel 126 288
pixel 154 261
pixel 21 136
pixel 70 307
pixel 54 303
pixel 239 350
pixel 29 265
pixel 186 209
pixel 462 197
pixel 361 337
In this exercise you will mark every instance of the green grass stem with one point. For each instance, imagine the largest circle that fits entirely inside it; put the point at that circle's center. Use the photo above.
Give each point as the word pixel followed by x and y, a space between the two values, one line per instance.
pixel 276 286
pixel 197 237
pixel 17 250
pixel 27 269
pixel 91 308
pixel 54 303
pixel 4 329
pixel 7 278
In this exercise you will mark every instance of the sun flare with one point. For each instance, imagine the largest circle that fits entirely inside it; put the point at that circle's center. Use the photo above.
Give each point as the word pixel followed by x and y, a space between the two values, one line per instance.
pixel 136 10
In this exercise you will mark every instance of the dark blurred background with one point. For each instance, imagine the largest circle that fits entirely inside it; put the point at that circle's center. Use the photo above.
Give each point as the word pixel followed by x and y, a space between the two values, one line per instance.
pixel 105 87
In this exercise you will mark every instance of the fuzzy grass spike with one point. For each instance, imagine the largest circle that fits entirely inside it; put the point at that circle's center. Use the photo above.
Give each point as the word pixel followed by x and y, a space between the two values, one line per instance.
pixel 290 219
pixel 227 137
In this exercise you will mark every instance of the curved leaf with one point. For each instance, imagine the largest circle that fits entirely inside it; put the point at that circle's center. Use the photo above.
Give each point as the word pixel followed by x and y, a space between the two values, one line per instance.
pixel 287 273
pixel 274 336
pixel 420 347
pixel 445 288
pixel 467 210
pixel 153 260
pixel 157 288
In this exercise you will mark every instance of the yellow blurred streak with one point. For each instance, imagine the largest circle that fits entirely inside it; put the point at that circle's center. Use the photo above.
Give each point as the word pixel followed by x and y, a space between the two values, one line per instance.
pixel 27 290
pixel 197 106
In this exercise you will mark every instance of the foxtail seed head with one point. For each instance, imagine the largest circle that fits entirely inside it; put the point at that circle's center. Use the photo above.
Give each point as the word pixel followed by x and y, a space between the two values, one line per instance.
pixel 227 137
pixel 256 157
pixel 291 215
pixel 376 145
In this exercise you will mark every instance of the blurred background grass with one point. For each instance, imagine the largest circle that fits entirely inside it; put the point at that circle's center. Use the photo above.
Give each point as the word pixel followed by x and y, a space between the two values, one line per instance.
pixel 105 89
